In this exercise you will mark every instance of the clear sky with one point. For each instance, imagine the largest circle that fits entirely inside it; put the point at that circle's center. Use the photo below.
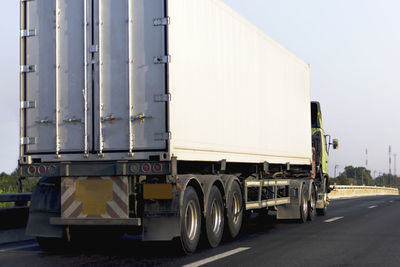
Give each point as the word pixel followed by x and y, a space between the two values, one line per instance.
pixel 353 47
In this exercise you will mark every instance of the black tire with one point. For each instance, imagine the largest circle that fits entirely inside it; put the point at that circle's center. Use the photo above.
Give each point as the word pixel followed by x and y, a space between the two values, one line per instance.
pixel 52 243
pixel 321 212
pixel 303 204
pixel 234 210
pixel 190 221
pixel 325 189
pixel 214 217
pixel 312 204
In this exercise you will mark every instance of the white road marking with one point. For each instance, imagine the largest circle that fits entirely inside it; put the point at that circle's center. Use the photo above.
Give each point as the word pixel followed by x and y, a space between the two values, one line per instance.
pixel 373 206
pixel 391 201
pixel 216 257
pixel 334 219
pixel 20 247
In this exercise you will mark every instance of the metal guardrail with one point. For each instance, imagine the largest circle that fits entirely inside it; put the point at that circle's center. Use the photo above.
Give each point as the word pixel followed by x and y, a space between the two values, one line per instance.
pixel 20 199
pixel 15 216
pixel 360 190
pixel 365 187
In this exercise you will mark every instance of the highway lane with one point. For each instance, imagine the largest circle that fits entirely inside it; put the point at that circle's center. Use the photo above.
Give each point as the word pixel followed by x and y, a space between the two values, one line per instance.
pixel 356 232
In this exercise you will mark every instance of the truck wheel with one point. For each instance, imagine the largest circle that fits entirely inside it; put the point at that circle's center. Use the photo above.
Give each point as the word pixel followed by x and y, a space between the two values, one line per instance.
pixel 214 217
pixel 303 205
pixel 312 204
pixel 321 212
pixel 234 211
pixel 52 243
pixel 190 221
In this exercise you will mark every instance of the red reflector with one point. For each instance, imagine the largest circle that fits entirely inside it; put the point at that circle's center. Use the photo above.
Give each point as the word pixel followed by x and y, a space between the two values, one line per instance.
pixel 146 167
pixel 42 170
pixel 157 167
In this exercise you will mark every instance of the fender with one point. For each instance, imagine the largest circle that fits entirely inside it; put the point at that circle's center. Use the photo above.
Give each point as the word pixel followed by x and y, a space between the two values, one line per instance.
pixel 229 180
pixel 310 186
pixel 208 181
pixel 184 182
pixel 204 184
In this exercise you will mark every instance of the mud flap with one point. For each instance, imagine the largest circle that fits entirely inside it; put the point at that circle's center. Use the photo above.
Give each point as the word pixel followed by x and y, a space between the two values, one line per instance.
pixel 45 203
pixel 288 212
pixel 163 227
pixel 161 220
pixel 292 210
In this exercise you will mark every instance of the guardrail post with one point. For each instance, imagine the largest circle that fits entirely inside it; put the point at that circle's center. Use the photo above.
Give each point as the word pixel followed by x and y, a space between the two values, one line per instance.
pixel 19 185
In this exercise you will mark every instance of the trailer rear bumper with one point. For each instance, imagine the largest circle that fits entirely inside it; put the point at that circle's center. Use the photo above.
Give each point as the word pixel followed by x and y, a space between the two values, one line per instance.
pixel 80 221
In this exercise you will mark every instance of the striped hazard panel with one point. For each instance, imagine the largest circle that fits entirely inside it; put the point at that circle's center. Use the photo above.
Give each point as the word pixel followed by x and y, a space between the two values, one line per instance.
pixel 94 197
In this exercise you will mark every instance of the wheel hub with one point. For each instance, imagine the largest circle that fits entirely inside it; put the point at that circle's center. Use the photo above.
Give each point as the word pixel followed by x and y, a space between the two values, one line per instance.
pixel 191 218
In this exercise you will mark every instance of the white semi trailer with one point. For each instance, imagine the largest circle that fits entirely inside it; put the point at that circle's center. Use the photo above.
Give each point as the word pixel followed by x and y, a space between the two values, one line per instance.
pixel 163 118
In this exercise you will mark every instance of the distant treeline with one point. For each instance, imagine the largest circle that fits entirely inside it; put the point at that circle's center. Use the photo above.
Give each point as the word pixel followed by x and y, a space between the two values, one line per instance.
pixel 362 176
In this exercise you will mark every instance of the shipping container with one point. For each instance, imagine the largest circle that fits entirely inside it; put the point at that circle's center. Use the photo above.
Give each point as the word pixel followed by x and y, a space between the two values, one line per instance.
pixel 121 80
pixel 165 118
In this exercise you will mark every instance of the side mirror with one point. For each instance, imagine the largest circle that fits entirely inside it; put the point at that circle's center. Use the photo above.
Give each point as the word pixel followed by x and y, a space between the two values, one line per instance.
pixel 335 144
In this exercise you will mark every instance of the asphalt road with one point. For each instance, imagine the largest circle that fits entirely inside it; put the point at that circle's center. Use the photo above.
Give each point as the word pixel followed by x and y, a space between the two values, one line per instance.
pixel 355 232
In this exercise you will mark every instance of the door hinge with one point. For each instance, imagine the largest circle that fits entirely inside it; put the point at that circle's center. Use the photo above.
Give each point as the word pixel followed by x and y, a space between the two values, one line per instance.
pixel 28 68
pixel 162 21
pixel 94 48
pixel 28 140
pixel 28 33
pixel 162 98
pixel 162 136
pixel 162 59
pixel 28 104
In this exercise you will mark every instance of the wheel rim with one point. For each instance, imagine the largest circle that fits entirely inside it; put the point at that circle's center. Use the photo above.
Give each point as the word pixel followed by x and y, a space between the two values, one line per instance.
pixel 216 216
pixel 313 202
pixel 191 220
pixel 304 204
pixel 235 208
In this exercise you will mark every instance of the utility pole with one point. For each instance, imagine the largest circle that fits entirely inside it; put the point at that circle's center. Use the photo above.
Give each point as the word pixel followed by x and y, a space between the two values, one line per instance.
pixel 366 158
pixel 355 175
pixel 394 164
pixel 335 169
pixel 362 178
pixel 390 159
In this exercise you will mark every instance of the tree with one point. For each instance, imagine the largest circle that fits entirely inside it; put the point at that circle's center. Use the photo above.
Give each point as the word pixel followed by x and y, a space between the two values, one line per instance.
pixel 388 180
pixel 361 175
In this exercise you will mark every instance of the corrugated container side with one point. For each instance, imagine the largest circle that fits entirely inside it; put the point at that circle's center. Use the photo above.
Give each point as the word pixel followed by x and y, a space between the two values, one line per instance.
pixel 236 93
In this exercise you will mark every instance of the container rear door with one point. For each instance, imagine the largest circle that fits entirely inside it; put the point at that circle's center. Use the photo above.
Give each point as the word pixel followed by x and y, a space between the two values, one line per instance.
pixel 56 76
pixel 131 96
pixel 40 72
pixel 91 82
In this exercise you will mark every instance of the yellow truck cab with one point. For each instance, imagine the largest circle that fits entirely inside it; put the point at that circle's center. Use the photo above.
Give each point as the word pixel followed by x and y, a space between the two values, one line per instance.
pixel 321 143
